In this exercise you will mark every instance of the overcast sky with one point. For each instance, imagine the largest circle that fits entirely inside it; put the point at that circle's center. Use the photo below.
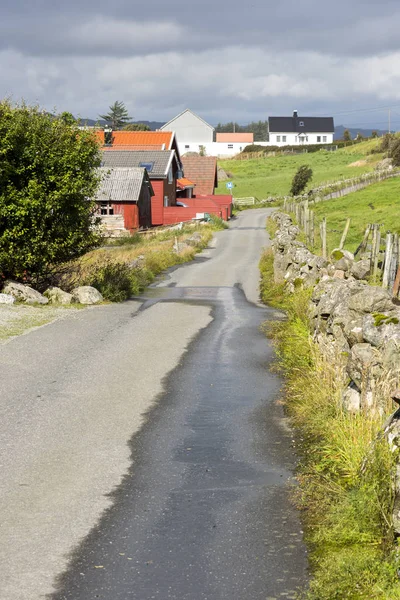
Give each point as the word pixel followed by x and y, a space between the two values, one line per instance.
pixel 224 60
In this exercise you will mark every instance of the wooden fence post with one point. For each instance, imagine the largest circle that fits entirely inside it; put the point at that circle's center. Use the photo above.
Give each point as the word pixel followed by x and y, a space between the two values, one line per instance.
pixel 373 246
pixel 388 260
pixel 344 236
pixel 377 251
pixel 312 229
pixel 394 262
pixel 323 237
pixel 362 247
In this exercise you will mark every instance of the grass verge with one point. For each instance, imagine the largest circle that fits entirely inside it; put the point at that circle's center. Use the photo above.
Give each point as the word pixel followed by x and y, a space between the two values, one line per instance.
pixel 345 473
pixel 122 271
pixel 272 175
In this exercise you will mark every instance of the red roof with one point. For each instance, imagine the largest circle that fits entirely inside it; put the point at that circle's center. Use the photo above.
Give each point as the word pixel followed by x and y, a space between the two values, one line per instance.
pixel 245 138
pixel 139 138
pixel 203 171
pixel 184 183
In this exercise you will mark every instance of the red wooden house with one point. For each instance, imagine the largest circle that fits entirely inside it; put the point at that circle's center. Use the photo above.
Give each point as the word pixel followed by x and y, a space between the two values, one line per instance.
pixel 163 169
pixel 124 199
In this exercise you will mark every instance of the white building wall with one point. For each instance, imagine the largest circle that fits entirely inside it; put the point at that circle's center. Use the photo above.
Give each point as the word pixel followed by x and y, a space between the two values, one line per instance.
pixel 218 149
pixel 189 127
pixel 292 139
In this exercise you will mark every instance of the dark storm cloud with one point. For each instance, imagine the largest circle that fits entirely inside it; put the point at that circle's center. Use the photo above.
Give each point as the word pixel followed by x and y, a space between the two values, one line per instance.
pixel 224 60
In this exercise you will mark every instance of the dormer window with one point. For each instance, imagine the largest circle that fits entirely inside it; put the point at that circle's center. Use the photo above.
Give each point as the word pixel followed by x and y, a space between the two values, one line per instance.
pixel 301 124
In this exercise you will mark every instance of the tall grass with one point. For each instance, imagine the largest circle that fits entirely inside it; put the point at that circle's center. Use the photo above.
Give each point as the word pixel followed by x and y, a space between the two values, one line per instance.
pixel 120 272
pixel 345 474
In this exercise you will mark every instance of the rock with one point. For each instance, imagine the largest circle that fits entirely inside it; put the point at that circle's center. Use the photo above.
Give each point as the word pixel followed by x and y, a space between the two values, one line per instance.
pixel 6 299
pixel 338 274
pixel 361 269
pixel 138 263
pixel 344 264
pixel 370 300
pixel 57 296
pixel 86 294
pixel 364 363
pixel 377 330
pixel 24 293
pixel 352 399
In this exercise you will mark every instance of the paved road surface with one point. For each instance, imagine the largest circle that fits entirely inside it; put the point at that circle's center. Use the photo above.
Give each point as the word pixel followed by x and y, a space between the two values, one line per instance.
pixel 142 452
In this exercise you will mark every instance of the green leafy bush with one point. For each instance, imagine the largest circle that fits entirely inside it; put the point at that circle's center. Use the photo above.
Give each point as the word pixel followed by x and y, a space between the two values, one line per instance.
pixel 47 180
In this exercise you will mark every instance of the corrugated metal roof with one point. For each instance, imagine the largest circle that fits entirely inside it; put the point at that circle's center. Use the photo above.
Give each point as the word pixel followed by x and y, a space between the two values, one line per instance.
pixel 159 161
pixel 120 184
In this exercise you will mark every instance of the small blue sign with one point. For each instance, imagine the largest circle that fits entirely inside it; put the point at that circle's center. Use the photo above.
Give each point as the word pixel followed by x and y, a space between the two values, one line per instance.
pixel 229 185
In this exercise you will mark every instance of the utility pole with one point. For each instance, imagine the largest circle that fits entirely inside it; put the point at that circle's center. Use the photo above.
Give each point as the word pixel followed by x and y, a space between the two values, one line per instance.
pixel 389 120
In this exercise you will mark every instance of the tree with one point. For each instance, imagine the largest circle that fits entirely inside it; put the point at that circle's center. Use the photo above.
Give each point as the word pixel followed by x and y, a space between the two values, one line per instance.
pixel 136 127
pixel 301 179
pixel 117 116
pixel 394 152
pixel 374 134
pixel 346 135
pixel 48 177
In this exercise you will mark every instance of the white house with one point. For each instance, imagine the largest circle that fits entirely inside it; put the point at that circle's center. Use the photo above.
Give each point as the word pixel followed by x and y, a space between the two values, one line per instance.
pixel 190 129
pixel 295 130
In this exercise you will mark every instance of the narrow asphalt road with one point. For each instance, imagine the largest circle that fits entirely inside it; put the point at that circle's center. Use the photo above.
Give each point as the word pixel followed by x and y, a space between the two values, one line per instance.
pixel 142 450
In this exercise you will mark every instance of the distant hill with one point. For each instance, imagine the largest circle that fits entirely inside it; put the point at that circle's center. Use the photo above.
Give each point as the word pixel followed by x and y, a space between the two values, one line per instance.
pixel 91 122
pixel 340 129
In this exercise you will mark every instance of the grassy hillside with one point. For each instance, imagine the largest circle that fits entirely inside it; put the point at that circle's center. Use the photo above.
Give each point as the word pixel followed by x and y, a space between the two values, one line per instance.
pixel 378 203
pixel 272 175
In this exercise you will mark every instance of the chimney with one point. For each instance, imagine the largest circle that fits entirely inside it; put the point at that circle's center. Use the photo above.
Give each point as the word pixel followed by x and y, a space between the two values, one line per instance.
pixel 295 115
pixel 108 137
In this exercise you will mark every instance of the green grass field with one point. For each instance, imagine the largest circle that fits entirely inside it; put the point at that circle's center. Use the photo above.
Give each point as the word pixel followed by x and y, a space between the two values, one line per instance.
pixel 378 203
pixel 272 175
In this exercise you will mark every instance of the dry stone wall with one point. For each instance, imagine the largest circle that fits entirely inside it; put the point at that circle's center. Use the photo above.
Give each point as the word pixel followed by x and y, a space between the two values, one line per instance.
pixel 356 326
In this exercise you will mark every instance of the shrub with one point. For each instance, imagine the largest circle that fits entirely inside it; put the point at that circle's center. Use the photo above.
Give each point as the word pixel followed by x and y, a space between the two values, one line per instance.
pixel 47 178
pixel 113 280
pixel 301 179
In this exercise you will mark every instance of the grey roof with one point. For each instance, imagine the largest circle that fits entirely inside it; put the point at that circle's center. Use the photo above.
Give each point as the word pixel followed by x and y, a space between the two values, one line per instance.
pixel 121 184
pixel 162 160
pixel 301 125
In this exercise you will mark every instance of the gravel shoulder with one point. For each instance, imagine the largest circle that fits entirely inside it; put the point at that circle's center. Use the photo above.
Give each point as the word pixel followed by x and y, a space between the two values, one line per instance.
pixel 19 319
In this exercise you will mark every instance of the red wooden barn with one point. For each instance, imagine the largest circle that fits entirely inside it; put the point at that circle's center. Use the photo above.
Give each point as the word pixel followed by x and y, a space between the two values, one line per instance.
pixel 163 168
pixel 124 199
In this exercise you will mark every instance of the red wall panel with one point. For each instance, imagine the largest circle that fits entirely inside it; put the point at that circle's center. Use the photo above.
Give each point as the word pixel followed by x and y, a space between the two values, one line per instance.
pixel 157 202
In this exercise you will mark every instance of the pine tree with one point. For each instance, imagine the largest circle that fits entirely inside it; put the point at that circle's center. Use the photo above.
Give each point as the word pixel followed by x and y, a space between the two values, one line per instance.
pixel 117 116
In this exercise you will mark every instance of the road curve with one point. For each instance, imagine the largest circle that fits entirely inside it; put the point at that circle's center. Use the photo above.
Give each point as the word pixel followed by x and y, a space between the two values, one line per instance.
pixel 142 452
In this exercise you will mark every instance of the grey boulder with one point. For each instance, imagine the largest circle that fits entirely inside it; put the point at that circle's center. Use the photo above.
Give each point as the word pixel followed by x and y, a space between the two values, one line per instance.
pixel 361 269
pixel 86 294
pixel 370 300
pixel 57 296
pixel 6 299
pixel 24 293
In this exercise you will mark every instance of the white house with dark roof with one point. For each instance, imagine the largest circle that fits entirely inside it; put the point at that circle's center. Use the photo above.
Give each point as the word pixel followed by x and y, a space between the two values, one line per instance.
pixel 295 130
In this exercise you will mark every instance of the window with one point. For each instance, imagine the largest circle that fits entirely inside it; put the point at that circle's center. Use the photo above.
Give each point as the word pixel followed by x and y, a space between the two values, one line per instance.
pixel 301 124
pixel 187 146
pixel 106 208
pixel 230 146
pixel 284 138
pixel 278 138
pixel 318 139
pixel 147 165
pixel 324 139
pixel 170 176
pixel 165 201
